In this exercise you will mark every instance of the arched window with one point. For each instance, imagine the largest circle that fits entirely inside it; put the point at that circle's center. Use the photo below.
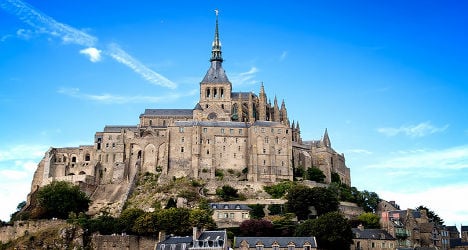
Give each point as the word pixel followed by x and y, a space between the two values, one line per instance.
pixel 222 92
pixel 87 157
pixel 207 93
pixel 73 158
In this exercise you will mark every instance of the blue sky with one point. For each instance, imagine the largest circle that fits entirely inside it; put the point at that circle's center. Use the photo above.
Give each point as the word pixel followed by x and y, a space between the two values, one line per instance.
pixel 387 78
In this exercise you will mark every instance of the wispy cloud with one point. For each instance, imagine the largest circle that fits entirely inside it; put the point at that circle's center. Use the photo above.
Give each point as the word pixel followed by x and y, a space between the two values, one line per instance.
pixel 283 56
pixel 245 78
pixel 446 159
pixel 123 57
pixel 418 130
pixel 93 54
pixel 119 99
pixel 46 24
pixel 22 152
pixel 359 151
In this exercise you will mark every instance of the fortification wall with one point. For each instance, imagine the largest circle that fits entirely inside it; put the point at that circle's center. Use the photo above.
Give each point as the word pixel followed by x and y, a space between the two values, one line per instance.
pixel 104 242
pixel 22 228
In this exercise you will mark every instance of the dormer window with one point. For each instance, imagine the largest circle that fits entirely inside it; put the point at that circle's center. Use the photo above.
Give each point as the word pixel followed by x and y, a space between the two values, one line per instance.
pixel 238 207
pixel 214 206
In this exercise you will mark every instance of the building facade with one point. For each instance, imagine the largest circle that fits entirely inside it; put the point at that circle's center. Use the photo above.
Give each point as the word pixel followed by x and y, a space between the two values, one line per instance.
pixel 225 131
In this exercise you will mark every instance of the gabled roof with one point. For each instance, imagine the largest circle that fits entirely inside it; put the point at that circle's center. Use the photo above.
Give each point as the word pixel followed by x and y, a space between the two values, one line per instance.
pixel 372 234
pixel 226 206
pixel 283 242
pixel 168 112
pixel 212 235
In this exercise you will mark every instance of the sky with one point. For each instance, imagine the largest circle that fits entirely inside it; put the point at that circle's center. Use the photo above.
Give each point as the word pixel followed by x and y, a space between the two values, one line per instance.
pixel 388 79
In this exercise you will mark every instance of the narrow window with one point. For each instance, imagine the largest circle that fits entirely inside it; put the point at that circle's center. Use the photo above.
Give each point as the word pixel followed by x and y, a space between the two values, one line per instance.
pixel 240 131
pixel 231 131
pixel 222 131
pixel 207 151
pixel 222 92
pixel 207 93
pixel 264 151
pixel 222 106
pixel 205 130
pixel 181 129
pixel 181 149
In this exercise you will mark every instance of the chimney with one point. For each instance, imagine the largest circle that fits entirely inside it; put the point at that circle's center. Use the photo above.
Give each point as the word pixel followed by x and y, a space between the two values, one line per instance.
pixel 195 233
pixel 162 235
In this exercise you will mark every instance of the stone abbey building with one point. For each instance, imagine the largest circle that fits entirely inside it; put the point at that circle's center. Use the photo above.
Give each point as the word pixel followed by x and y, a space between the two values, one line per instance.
pixel 225 131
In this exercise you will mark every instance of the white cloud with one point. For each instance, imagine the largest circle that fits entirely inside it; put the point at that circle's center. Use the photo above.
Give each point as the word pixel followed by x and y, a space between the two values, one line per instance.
pixel 446 201
pixel 46 24
pixel 245 78
pixel 419 130
pixel 283 56
pixel 123 57
pixel 119 99
pixel 93 53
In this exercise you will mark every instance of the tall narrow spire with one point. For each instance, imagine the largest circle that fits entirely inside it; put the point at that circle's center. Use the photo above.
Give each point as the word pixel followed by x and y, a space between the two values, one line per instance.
pixel 216 54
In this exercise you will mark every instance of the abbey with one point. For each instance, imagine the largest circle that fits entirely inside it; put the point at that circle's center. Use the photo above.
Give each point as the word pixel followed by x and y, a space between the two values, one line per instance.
pixel 226 131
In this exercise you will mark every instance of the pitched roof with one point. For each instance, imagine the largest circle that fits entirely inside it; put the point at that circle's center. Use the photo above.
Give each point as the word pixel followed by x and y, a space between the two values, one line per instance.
pixel 178 241
pixel 168 112
pixel 211 124
pixel 464 228
pixel 216 74
pixel 227 206
pixel 452 229
pixel 377 234
pixel 283 242
pixel 118 128
pixel 243 95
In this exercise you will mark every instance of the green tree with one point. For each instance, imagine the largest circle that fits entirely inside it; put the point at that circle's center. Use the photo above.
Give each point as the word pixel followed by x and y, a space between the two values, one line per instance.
pixel 299 201
pixel 315 174
pixel 298 172
pixel 431 215
pixel 127 219
pixel 275 209
pixel 257 211
pixel 284 226
pixel 279 190
pixel 227 193
pixel 335 178
pixel 59 198
pixel 256 227
pixel 369 220
pixel 201 218
pixel 146 224
pixel 368 200
pixel 331 230
pixel 324 200
pixel 174 221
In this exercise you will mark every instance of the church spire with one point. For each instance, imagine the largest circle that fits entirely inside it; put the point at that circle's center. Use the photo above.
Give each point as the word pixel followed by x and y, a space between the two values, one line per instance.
pixel 216 54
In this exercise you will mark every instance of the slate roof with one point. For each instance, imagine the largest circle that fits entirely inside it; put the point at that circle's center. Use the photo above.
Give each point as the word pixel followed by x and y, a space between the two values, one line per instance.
pixel 464 228
pixel 376 234
pixel 453 229
pixel 244 95
pixel 211 240
pixel 212 235
pixel 118 128
pixel 282 241
pixel 227 206
pixel 211 124
pixel 457 242
pixel 168 112
pixel 178 241
pixel 266 124
pixel 216 74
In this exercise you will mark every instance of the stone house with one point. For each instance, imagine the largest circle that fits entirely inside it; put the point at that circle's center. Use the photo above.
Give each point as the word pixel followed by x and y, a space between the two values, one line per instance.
pixel 200 240
pixel 366 239
pixel 229 215
pixel 275 243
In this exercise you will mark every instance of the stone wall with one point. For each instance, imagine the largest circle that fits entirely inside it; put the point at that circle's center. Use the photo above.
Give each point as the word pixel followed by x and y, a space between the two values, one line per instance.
pixel 22 228
pixel 104 242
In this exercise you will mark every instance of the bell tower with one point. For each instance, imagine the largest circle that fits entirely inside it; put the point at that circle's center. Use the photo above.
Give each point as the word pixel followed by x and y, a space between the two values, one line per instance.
pixel 215 88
